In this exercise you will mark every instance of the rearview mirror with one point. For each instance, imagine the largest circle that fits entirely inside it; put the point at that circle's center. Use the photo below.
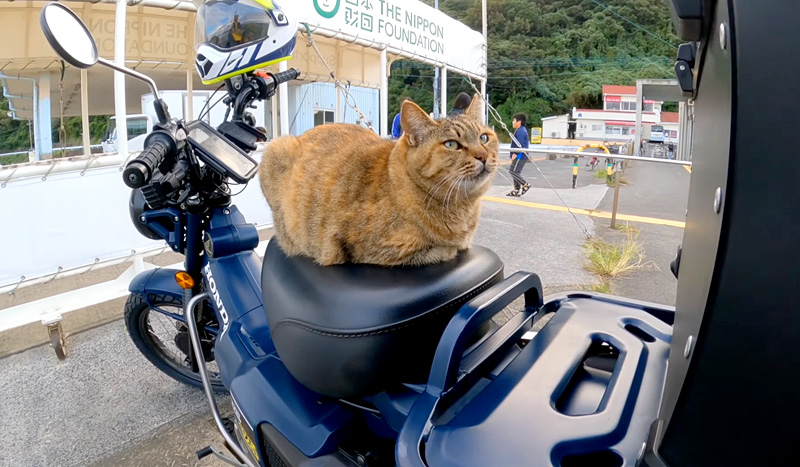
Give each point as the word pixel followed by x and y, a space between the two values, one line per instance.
pixel 68 36
pixel 73 42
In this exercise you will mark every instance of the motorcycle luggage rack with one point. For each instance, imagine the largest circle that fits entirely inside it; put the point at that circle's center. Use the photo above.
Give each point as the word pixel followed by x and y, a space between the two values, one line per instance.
pixel 583 390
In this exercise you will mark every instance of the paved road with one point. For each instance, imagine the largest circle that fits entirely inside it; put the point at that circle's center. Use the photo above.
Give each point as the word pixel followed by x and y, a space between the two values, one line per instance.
pixel 655 190
pixel 100 398
pixel 107 405
pixel 558 172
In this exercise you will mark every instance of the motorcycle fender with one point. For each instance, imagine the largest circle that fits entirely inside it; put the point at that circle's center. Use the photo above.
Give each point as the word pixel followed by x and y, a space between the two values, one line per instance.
pixel 156 281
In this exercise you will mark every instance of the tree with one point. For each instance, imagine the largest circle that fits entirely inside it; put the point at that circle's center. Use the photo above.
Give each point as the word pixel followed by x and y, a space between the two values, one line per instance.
pixel 547 56
pixel 15 135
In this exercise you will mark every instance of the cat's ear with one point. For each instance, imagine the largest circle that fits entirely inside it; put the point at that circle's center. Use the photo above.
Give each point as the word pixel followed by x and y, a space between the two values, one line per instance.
pixel 476 109
pixel 415 122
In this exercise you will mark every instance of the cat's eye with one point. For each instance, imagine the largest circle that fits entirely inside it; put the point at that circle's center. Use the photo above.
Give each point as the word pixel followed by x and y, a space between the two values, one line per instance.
pixel 484 138
pixel 451 144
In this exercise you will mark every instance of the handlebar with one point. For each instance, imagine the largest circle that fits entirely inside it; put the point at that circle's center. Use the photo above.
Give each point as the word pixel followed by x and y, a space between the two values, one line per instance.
pixel 162 143
pixel 285 76
pixel 138 172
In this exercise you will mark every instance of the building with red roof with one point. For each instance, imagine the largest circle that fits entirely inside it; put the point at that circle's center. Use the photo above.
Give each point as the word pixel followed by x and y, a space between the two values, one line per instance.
pixel 616 121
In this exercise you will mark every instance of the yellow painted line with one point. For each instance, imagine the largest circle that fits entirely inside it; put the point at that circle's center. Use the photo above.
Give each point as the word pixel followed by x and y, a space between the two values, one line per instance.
pixel 588 212
pixel 688 168
pixel 534 160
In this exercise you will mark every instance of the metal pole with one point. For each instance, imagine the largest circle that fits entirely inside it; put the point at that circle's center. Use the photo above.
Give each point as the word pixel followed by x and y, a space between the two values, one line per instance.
pixel 120 105
pixel 581 154
pixel 437 87
pixel 683 131
pixel 384 94
pixel 616 201
pixel 444 92
pixel 637 145
pixel 189 96
pixel 575 172
pixel 37 140
pixel 274 119
pixel 690 131
pixel 86 137
pixel 485 27
pixel 45 121
pixel 283 101
pixel 339 114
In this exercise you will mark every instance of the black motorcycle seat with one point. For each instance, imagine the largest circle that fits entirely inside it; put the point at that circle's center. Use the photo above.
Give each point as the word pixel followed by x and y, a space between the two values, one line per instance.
pixel 355 329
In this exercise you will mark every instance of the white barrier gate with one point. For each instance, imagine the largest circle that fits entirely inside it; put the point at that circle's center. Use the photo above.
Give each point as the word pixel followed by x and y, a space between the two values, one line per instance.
pixel 64 223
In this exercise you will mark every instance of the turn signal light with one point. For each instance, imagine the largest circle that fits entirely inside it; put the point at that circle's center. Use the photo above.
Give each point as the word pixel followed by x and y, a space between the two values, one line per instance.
pixel 184 280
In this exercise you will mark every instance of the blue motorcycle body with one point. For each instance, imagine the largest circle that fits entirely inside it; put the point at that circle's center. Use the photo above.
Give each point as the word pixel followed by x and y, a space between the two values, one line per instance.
pixel 583 389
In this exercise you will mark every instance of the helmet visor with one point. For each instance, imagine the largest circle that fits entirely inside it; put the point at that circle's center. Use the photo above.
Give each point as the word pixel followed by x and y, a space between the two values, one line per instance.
pixel 228 24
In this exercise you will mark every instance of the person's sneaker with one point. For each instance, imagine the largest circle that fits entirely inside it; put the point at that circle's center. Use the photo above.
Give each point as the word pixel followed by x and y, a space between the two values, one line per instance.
pixel 513 193
pixel 525 188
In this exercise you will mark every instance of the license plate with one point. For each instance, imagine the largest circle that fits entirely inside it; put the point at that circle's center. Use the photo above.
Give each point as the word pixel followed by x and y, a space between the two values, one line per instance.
pixel 244 432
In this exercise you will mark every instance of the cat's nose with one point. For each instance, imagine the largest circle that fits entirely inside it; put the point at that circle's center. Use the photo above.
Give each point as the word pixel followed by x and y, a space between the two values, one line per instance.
pixel 482 156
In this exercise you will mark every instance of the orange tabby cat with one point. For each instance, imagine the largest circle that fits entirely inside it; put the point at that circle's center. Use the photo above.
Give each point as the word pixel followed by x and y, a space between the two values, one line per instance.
pixel 339 193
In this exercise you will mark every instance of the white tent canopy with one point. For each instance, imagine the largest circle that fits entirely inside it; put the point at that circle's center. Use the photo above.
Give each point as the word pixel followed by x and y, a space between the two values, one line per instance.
pixel 357 38
pixel 357 52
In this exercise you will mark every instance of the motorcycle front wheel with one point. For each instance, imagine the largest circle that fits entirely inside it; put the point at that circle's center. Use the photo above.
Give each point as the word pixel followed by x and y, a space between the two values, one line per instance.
pixel 162 337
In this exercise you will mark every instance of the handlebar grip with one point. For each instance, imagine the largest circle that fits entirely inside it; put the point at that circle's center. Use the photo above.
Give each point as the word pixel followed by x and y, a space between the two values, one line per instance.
pixel 285 76
pixel 138 171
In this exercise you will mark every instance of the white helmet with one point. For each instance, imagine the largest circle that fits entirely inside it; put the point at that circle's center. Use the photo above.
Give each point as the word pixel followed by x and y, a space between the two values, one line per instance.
pixel 236 36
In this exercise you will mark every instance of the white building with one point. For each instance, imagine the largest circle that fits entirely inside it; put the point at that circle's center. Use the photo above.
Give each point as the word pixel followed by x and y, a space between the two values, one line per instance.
pixel 616 121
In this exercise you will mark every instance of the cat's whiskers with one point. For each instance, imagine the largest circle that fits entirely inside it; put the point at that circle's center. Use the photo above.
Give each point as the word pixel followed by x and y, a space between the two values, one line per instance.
pixel 446 202
pixel 455 185
pixel 439 185
pixel 432 192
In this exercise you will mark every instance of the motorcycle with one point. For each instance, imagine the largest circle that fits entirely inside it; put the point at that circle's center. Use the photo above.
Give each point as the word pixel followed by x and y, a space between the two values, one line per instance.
pixel 357 365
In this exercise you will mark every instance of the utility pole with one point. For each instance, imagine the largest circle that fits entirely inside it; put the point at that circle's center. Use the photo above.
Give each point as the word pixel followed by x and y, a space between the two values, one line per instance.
pixel 437 91
pixel 485 17
pixel 120 104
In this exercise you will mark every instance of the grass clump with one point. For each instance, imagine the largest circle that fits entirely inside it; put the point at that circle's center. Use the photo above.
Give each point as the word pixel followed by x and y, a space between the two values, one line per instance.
pixel 605 287
pixel 627 228
pixel 608 260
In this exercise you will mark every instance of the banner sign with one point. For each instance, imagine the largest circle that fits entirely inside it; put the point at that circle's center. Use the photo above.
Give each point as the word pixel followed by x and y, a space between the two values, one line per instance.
pixel 613 98
pixel 410 26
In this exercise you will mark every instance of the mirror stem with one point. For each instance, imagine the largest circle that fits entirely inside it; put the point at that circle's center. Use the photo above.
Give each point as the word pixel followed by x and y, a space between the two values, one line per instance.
pixel 161 108
pixel 133 73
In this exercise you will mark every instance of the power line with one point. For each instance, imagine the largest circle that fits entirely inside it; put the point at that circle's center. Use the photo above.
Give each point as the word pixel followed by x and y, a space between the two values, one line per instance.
pixel 635 24
pixel 557 63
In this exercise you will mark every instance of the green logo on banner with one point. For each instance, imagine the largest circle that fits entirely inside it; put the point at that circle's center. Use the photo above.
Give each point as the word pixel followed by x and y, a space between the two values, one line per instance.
pixel 326 8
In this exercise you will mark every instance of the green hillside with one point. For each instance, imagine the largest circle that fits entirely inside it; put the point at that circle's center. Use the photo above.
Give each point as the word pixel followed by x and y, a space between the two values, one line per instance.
pixel 546 56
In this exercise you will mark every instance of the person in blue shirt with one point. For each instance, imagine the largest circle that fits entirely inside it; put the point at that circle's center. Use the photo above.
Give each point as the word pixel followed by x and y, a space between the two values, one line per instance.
pixel 397 130
pixel 519 159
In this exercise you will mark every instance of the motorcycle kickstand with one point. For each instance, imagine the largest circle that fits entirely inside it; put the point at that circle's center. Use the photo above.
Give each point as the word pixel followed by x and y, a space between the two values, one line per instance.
pixel 212 450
